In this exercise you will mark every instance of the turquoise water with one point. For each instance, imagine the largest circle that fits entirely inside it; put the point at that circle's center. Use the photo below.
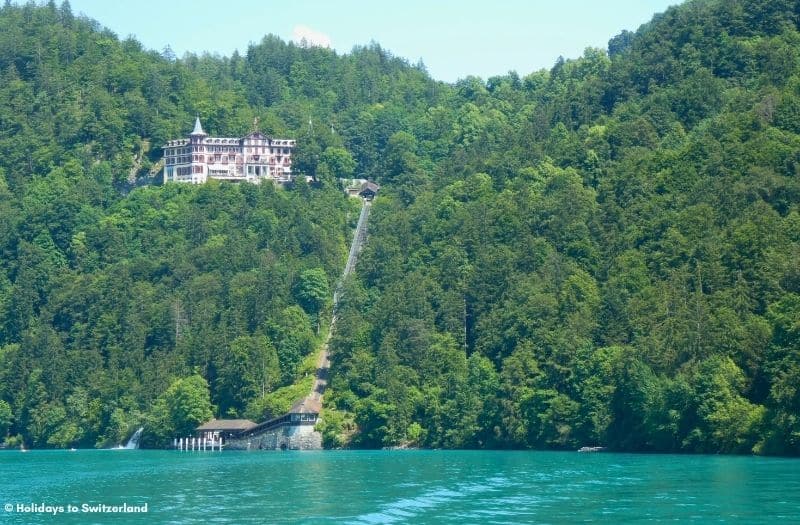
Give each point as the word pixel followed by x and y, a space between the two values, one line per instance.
pixel 399 487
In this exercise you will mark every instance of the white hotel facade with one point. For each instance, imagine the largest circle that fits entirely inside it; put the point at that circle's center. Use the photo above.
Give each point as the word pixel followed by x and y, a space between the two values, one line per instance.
pixel 253 158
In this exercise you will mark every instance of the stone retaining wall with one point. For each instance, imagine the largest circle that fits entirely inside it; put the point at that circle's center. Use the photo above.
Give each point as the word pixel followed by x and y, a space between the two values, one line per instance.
pixel 286 437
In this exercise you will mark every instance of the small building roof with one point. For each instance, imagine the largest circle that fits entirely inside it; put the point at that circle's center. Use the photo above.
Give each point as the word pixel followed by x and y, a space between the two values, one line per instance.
pixel 198 128
pixel 355 183
pixel 369 187
pixel 227 424
pixel 306 406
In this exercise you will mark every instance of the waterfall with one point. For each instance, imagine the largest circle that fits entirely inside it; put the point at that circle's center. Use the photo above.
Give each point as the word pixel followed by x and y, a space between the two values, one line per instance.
pixel 133 442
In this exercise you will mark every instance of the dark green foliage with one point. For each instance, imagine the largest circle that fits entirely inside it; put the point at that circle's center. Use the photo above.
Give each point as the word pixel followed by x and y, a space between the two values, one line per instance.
pixel 248 371
pixel 111 292
pixel 604 253
pixel 179 410
pixel 615 241
pixel 164 281
pixel 313 290
pixel 6 418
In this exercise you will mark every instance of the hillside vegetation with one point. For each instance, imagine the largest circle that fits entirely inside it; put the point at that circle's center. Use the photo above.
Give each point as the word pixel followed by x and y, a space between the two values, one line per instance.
pixel 605 253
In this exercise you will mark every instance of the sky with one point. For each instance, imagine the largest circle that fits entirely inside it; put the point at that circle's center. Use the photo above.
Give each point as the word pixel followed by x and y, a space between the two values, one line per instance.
pixel 454 38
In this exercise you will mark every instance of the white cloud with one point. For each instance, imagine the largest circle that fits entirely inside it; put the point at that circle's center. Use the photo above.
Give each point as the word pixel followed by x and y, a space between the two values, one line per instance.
pixel 311 36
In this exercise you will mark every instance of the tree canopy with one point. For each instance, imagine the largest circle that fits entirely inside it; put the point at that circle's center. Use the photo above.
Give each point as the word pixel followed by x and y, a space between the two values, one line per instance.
pixel 602 253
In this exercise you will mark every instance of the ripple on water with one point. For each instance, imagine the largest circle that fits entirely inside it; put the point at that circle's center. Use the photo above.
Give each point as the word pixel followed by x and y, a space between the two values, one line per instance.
pixel 413 507
pixel 412 487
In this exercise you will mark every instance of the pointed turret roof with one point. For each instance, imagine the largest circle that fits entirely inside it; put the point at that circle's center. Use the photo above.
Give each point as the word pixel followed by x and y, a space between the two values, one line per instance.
pixel 198 129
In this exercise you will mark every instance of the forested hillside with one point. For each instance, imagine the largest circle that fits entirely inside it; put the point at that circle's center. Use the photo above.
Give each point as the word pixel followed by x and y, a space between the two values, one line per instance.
pixel 125 304
pixel 605 253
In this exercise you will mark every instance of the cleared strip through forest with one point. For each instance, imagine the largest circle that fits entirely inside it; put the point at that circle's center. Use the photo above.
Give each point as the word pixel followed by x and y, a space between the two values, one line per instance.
pixel 359 238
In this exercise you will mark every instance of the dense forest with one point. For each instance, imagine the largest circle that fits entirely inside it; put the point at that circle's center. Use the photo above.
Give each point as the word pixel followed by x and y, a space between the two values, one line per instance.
pixel 605 253
pixel 124 303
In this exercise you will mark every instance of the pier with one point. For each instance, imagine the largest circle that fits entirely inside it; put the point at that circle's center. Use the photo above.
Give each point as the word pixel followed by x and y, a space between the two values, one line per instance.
pixel 198 444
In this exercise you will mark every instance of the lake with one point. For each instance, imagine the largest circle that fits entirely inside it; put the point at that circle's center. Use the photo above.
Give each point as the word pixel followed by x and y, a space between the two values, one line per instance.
pixel 394 487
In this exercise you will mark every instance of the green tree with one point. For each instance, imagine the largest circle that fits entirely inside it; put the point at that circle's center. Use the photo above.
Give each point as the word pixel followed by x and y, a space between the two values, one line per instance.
pixel 179 410
pixel 294 339
pixel 336 163
pixel 248 370
pixel 6 418
pixel 313 291
pixel 729 422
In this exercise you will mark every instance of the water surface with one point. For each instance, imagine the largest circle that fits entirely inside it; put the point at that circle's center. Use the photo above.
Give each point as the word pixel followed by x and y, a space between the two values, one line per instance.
pixel 371 487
